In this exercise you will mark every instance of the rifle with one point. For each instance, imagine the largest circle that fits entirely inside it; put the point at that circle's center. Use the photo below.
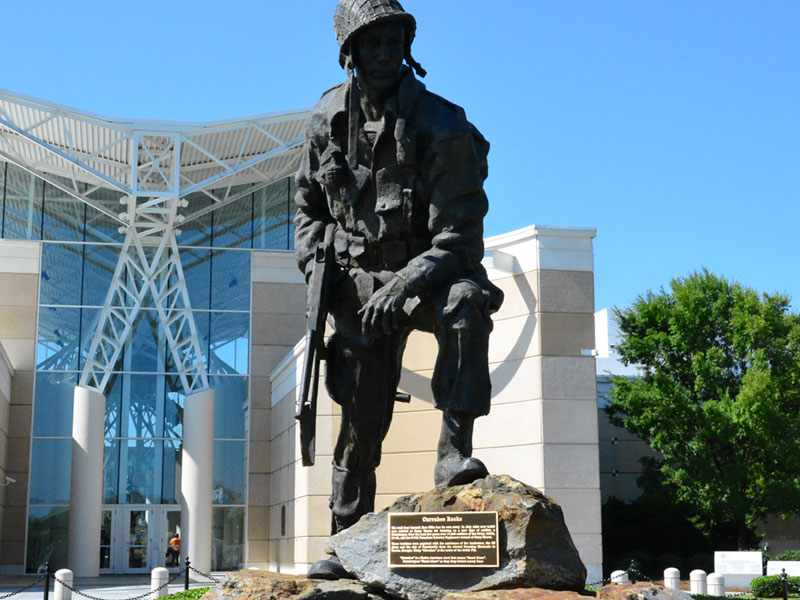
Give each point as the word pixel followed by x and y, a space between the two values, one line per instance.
pixel 316 317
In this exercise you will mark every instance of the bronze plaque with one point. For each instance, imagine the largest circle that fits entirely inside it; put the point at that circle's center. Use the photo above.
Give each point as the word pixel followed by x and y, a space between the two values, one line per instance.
pixel 447 539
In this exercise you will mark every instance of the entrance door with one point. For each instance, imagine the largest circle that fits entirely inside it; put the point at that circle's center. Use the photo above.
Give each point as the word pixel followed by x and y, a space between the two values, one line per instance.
pixel 170 525
pixel 135 538
pixel 138 539
pixel 107 541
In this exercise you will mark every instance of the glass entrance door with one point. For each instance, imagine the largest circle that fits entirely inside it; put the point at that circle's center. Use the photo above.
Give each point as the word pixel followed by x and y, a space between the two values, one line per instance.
pixel 107 545
pixel 139 539
pixel 171 537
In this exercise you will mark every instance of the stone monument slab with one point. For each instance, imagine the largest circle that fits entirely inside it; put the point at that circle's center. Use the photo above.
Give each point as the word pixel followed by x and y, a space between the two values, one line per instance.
pixel 774 567
pixel 739 568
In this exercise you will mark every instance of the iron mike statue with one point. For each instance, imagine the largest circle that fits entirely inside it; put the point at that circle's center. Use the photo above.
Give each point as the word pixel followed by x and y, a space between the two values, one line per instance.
pixel 389 233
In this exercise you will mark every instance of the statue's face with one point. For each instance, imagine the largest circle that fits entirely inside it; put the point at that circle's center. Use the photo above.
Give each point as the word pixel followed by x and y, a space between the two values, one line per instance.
pixel 378 52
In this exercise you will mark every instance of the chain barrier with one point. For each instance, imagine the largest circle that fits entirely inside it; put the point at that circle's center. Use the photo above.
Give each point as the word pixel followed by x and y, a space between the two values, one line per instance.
pixel 148 594
pixel 206 575
pixel 33 584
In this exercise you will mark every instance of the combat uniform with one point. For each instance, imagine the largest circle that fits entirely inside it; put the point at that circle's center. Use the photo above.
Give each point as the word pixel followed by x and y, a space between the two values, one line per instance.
pixel 412 208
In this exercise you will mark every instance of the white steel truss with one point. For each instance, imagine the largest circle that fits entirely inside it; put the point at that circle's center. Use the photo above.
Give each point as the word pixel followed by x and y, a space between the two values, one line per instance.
pixel 137 274
pixel 157 166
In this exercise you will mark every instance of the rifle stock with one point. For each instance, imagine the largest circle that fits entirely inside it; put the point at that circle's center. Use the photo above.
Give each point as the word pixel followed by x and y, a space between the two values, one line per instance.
pixel 317 314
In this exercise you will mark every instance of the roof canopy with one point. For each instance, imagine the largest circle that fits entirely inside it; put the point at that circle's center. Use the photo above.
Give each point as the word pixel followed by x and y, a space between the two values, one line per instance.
pixel 81 153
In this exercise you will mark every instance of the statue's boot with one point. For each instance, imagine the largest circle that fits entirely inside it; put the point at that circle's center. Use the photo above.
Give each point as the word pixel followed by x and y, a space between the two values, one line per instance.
pixel 329 568
pixel 455 464
pixel 352 496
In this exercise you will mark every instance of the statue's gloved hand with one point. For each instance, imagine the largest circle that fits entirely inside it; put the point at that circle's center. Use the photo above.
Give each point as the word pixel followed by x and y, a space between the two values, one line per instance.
pixel 381 314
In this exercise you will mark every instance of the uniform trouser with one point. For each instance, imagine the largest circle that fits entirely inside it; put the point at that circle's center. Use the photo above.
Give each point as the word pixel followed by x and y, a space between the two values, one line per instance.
pixel 363 374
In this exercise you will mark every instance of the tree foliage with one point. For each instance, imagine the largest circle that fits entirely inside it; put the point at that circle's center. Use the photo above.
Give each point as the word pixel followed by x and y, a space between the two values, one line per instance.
pixel 718 396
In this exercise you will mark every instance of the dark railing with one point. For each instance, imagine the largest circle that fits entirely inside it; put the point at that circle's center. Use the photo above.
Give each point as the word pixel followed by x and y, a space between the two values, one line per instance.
pixel 49 577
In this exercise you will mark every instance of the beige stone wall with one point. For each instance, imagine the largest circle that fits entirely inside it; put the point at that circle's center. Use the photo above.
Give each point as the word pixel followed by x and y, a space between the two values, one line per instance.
pixel 299 515
pixel 6 374
pixel 543 424
pixel 278 321
pixel 19 290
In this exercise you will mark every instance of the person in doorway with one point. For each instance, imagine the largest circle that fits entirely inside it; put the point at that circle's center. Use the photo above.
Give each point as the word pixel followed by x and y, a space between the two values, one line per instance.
pixel 174 551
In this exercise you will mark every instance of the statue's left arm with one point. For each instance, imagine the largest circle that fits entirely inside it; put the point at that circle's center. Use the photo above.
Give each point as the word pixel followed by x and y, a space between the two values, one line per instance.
pixel 453 171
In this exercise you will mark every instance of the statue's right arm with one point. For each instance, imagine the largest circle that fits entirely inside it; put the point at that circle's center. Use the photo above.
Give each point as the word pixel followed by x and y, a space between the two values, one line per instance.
pixel 312 208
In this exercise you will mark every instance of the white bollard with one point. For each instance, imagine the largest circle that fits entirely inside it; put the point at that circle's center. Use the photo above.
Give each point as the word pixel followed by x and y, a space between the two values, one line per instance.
pixel 158 577
pixel 697 580
pixel 619 577
pixel 672 579
pixel 61 592
pixel 716 584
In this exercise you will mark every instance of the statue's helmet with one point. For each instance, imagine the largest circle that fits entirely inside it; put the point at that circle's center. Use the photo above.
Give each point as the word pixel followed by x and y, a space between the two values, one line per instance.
pixel 352 16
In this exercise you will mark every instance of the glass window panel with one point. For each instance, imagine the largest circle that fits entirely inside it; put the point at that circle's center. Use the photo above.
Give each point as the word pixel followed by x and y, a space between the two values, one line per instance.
pixel 196 232
pixel 271 217
pixel 111 472
pixel 233 224
pixel 230 280
pixel 228 473
pixel 113 405
pixel 62 269
pixel 227 539
pixel 145 343
pixel 99 266
pixel 23 212
pixel 142 417
pixel 170 474
pixel 51 463
pixel 230 405
pixel 197 274
pixel 52 409
pixel 63 216
pixel 99 226
pixel 140 488
pixel 173 407
pixel 57 340
pixel 229 345
pixel 47 537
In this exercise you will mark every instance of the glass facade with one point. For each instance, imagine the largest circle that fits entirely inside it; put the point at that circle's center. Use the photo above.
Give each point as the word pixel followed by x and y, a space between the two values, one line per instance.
pixel 144 407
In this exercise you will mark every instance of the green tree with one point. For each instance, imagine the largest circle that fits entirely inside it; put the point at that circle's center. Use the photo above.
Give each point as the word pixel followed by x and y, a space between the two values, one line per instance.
pixel 718 397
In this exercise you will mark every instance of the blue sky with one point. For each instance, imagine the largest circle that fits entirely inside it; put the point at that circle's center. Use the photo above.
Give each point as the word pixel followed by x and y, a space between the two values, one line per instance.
pixel 672 127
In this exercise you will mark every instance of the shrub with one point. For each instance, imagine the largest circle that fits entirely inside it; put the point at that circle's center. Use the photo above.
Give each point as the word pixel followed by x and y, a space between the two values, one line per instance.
pixel 788 555
pixel 770 586
pixel 192 594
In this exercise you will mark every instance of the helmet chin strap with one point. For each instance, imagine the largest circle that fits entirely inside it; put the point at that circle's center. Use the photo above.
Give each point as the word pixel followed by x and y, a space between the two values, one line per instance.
pixel 415 65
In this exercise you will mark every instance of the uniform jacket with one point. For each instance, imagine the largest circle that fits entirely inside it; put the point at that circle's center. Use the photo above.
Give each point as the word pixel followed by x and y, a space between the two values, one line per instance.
pixel 415 203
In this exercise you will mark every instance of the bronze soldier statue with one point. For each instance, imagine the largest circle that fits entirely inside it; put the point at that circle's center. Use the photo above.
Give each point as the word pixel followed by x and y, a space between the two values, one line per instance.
pixel 395 175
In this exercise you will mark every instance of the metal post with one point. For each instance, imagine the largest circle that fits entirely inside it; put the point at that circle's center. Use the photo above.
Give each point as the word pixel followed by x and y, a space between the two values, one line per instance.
pixel 185 575
pixel 46 580
pixel 632 572
pixel 785 584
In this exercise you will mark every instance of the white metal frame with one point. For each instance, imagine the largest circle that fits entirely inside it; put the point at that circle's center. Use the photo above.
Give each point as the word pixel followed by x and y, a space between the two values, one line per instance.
pixel 155 165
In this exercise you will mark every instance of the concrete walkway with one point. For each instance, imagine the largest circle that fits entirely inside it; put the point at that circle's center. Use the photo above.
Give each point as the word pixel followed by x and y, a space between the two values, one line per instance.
pixel 108 587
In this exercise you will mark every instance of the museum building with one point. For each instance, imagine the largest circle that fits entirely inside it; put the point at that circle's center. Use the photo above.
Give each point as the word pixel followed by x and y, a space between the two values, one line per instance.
pixel 151 318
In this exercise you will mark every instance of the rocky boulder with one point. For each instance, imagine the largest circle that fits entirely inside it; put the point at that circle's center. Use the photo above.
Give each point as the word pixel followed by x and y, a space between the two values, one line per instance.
pixel 536 549
pixel 640 591
pixel 254 584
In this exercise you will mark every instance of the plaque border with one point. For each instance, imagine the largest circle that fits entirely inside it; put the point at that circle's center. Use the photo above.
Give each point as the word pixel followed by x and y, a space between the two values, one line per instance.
pixel 495 565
